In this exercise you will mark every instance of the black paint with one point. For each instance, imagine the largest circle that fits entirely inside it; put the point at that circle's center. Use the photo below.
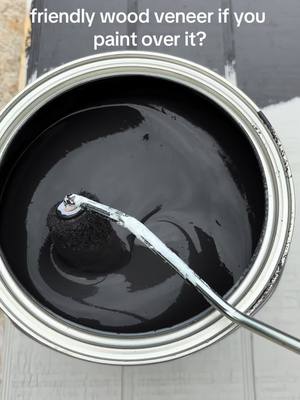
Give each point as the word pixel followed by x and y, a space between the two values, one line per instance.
pixel 157 151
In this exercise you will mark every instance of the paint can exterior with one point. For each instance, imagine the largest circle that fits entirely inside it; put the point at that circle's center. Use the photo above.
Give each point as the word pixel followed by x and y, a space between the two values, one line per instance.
pixel 268 263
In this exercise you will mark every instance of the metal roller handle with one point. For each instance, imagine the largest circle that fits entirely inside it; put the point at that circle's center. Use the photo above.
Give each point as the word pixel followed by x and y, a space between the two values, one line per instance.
pixel 75 202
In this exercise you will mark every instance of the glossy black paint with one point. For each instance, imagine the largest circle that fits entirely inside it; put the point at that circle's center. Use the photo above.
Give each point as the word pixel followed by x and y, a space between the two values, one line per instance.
pixel 159 152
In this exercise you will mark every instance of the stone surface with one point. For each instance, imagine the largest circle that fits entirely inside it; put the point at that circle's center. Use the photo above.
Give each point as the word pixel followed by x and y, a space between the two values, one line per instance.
pixel 12 16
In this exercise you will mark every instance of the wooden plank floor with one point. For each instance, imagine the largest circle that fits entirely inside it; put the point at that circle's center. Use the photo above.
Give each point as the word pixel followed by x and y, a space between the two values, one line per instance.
pixel 278 371
pixel 241 366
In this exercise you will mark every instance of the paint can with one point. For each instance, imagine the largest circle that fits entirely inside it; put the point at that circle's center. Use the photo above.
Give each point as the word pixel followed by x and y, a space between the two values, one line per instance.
pixel 251 292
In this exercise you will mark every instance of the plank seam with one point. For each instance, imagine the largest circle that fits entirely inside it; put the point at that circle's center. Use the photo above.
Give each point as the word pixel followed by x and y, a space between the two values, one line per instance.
pixel 253 365
pixel 7 359
pixel 132 6
pixel 229 44
pixel 248 365
pixel 36 33
pixel 122 383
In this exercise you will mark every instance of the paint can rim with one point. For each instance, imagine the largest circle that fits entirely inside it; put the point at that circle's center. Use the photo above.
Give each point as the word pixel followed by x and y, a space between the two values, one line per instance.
pixel 267 267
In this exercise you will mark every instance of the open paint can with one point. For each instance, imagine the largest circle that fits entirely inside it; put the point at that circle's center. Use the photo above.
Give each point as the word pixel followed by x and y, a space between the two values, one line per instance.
pixel 171 143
